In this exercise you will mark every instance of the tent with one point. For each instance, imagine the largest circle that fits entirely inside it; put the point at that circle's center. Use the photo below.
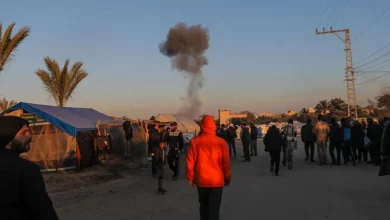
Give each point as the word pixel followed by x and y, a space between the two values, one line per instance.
pixel 184 124
pixel 61 135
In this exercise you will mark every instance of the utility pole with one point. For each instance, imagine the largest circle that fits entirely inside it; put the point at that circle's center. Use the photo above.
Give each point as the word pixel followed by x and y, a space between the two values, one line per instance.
pixel 349 73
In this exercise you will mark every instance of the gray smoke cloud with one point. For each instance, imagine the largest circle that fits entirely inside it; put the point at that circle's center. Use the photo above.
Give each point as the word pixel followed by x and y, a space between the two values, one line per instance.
pixel 186 45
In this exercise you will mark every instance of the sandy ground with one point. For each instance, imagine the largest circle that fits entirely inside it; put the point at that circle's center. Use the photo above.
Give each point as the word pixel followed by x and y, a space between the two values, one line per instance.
pixel 308 191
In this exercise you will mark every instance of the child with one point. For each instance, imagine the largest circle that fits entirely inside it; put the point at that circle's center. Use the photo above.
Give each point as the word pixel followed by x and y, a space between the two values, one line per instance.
pixel 160 162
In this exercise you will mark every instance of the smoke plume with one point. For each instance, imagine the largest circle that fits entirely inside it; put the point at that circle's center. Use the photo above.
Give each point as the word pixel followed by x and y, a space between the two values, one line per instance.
pixel 186 45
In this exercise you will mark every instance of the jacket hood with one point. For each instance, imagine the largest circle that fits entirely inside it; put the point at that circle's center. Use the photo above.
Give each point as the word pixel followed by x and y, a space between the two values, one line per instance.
pixel 208 125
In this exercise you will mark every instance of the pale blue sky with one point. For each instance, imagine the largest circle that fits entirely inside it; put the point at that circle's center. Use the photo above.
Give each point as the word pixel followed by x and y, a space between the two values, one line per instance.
pixel 263 55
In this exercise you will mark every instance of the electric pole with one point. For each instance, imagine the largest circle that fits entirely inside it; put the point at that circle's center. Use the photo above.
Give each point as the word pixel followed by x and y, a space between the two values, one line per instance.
pixel 349 73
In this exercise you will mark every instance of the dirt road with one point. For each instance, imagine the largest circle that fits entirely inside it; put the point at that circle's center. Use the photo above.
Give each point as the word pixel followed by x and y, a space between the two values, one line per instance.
pixel 308 191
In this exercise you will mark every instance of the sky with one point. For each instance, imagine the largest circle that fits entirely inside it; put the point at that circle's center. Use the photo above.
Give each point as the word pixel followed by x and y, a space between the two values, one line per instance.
pixel 263 55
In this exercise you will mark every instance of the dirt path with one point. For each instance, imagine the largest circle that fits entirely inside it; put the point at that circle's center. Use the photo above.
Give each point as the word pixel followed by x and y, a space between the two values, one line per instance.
pixel 306 192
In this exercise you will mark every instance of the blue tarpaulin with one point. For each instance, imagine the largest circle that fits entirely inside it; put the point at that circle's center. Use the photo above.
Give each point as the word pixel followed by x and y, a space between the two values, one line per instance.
pixel 71 120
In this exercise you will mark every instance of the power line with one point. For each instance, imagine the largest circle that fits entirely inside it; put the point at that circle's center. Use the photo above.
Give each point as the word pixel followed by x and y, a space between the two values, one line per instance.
pixel 373 23
pixel 378 58
pixel 337 18
pixel 376 64
pixel 373 53
pixel 370 80
pixel 333 12
pixel 326 9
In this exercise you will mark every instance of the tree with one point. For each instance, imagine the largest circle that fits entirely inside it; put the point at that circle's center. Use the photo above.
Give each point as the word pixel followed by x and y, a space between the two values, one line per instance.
pixel 250 117
pixel 383 100
pixel 61 83
pixel 5 104
pixel 304 111
pixel 322 107
pixel 337 104
pixel 9 43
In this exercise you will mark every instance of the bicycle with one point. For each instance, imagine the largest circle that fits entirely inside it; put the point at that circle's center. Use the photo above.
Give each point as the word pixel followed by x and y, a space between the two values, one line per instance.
pixel 291 146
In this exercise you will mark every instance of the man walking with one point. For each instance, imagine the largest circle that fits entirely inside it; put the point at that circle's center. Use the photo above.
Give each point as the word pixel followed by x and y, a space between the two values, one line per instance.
pixel 231 136
pixel 153 145
pixel 246 141
pixel 22 189
pixel 322 132
pixel 308 139
pixel 208 167
pixel 336 141
pixel 176 142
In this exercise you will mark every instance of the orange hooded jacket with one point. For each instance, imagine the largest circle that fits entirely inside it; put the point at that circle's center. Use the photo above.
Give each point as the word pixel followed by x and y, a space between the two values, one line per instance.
pixel 208 159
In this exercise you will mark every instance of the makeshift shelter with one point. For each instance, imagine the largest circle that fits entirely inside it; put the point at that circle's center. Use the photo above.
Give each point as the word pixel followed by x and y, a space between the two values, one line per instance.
pixel 184 124
pixel 63 137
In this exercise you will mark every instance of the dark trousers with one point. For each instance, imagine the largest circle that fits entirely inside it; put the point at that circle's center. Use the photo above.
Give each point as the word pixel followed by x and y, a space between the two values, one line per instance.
pixel 160 172
pixel 254 147
pixel 210 202
pixel 173 162
pixel 275 160
pixel 154 169
pixel 362 152
pixel 375 152
pixel 309 145
pixel 232 146
pixel 347 151
pixel 332 147
pixel 355 151
pixel 246 151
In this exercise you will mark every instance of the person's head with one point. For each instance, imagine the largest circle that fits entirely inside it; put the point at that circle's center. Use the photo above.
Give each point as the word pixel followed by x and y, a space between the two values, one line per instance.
pixel 320 117
pixel 168 129
pixel 173 125
pixel 369 120
pixel 243 125
pixel 333 121
pixel 356 122
pixel 162 144
pixel 252 125
pixel 15 134
pixel 308 121
pixel 223 126
pixel 156 125
pixel 290 121
pixel 208 125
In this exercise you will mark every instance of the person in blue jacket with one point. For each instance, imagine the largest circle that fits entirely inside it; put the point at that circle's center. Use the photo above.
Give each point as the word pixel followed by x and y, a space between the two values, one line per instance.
pixel 347 151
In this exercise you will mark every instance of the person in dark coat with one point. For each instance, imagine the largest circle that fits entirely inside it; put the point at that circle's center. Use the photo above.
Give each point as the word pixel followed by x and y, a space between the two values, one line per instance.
pixel 336 141
pixel 273 142
pixel 357 142
pixel 308 138
pixel 22 188
pixel 375 140
pixel 254 135
pixel 246 141
pixel 231 136
pixel 159 154
pixel 153 144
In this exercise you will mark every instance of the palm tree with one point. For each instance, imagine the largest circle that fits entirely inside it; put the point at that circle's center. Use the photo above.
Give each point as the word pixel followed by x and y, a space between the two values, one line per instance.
pixel 304 111
pixel 5 104
pixel 61 83
pixel 322 107
pixel 9 43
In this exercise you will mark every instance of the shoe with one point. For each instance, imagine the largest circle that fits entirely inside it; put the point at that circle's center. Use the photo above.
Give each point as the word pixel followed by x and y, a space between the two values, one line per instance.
pixel 246 160
pixel 164 190
pixel 160 191
pixel 276 174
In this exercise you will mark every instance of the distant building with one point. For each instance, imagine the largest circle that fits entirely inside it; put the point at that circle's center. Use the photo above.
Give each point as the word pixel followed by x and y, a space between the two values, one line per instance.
pixel 226 117
pixel 290 113
pixel 266 114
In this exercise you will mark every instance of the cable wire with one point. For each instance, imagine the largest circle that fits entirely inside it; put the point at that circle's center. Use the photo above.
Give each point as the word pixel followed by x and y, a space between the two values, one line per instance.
pixel 378 58
pixel 326 9
pixel 337 18
pixel 333 12
pixel 373 23
pixel 373 54
pixel 376 64
pixel 373 79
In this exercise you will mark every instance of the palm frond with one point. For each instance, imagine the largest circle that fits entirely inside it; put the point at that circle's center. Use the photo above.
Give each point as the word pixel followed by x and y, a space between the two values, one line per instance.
pixel 61 83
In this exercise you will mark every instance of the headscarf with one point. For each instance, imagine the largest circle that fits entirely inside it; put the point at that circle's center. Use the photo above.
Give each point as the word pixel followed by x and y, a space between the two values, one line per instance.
pixel 208 125
pixel 9 127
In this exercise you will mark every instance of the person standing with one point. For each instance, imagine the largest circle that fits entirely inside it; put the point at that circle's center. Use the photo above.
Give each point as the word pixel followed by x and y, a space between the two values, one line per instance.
pixel 308 139
pixel 231 136
pixel 374 134
pixel 159 155
pixel 208 168
pixel 153 145
pixel 347 152
pixel 336 141
pixel 357 142
pixel 246 141
pixel 22 188
pixel 322 132
pixel 253 144
pixel 176 142
pixel 273 142
pixel 289 134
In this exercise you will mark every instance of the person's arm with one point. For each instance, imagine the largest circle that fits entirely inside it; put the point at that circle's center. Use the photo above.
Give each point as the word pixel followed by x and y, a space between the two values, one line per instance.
pixel 180 141
pixel 190 161
pixel 38 203
pixel 302 133
pixel 226 163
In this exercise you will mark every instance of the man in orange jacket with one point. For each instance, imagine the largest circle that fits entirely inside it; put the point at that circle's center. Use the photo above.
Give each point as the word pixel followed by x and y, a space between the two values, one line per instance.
pixel 208 167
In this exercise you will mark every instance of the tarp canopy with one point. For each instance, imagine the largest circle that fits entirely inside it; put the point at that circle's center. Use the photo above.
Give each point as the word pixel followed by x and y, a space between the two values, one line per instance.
pixel 71 120
pixel 184 124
